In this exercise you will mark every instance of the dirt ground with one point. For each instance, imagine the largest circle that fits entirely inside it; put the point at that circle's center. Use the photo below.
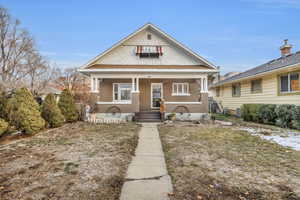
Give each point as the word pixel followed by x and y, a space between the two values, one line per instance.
pixel 76 161
pixel 215 162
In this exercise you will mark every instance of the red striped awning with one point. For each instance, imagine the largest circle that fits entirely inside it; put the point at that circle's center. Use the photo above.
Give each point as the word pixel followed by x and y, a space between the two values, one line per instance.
pixel 149 49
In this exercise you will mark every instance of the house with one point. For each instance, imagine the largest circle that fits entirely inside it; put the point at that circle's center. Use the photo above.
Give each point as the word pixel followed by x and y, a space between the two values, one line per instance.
pixel 50 90
pixel 132 76
pixel 275 82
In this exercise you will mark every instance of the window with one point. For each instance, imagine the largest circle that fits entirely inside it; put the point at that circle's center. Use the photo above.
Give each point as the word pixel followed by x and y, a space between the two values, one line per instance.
pixel 289 83
pixel 149 36
pixel 122 91
pixel 256 86
pixel 218 92
pixel 149 51
pixel 236 90
pixel 95 84
pixel 180 89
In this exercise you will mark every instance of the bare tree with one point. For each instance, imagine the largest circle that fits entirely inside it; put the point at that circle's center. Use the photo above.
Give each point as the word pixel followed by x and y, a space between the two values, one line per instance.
pixel 77 83
pixel 15 44
pixel 70 79
pixel 36 68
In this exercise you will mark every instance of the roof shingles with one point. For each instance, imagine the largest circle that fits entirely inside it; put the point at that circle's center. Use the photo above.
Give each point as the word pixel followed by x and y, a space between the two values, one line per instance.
pixel 281 62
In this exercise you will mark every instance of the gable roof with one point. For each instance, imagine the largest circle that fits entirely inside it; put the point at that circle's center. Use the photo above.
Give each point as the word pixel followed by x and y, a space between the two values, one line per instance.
pixel 282 62
pixel 155 28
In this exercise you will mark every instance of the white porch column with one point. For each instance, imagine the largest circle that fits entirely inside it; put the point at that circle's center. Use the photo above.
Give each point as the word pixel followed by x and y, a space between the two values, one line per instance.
pixel 205 84
pixel 137 84
pixel 201 85
pixel 133 85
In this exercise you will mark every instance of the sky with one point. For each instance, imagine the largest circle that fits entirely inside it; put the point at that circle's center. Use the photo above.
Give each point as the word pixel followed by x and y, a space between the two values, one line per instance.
pixel 233 34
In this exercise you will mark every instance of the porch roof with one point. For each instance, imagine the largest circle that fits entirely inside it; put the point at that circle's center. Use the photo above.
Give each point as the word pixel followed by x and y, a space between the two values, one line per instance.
pixel 146 70
pixel 102 66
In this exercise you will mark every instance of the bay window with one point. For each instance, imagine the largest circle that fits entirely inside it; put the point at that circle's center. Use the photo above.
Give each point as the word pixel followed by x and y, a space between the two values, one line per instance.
pixel 122 91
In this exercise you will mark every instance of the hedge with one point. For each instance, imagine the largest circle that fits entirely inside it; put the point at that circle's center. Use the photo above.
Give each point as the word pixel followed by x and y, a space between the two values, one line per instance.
pixel 296 118
pixel 3 105
pixel 23 112
pixel 51 112
pixel 67 106
pixel 267 114
pixel 3 126
pixel 250 112
pixel 284 115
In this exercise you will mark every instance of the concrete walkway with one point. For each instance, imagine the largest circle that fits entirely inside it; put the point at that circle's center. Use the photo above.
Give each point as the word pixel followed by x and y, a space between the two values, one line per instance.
pixel 147 177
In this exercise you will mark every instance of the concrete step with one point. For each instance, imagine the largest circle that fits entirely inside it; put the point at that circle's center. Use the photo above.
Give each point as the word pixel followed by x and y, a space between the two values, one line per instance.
pixel 148 120
pixel 147 116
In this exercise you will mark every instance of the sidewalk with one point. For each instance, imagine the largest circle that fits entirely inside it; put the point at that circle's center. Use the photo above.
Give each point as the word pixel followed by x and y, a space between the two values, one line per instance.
pixel 147 177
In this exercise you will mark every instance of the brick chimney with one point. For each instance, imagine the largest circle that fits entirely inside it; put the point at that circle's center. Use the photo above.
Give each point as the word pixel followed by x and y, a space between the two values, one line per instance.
pixel 286 48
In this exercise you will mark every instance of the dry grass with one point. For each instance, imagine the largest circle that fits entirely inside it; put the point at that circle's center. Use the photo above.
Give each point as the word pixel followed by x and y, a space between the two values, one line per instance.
pixel 77 161
pixel 213 162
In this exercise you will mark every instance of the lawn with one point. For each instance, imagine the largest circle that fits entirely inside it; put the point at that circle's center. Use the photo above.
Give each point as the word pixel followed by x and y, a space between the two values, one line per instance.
pixel 215 162
pixel 76 161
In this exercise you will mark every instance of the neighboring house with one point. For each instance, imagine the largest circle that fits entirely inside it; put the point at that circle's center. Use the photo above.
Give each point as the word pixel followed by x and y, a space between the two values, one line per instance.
pixel 50 90
pixel 215 78
pixel 148 65
pixel 275 82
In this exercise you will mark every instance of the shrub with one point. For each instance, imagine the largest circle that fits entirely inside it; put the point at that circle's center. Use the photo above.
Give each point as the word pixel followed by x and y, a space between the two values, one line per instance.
pixel 3 126
pixel 3 103
pixel 250 112
pixel 23 112
pixel 67 106
pixel 284 114
pixel 296 117
pixel 267 113
pixel 245 112
pixel 51 112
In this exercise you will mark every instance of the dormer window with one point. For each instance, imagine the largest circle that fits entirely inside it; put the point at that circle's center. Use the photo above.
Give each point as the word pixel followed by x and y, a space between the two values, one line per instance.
pixel 149 51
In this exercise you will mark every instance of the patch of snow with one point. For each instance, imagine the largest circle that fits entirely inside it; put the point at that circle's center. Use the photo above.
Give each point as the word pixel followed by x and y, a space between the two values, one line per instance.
pixel 289 139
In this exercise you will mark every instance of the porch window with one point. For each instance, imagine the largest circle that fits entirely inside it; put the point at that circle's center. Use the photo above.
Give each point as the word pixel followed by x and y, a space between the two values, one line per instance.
pixel 122 91
pixel 236 90
pixel 180 89
pixel 289 83
pixel 95 84
pixel 149 51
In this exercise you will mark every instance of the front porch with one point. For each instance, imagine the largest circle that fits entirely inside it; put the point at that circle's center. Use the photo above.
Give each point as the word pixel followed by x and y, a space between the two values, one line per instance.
pixel 124 96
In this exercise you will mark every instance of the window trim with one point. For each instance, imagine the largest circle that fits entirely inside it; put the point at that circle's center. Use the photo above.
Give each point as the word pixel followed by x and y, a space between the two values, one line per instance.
pixel 95 85
pixel 261 86
pixel 280 93
pixel 119 93
pixel 240 93
pixel 180 94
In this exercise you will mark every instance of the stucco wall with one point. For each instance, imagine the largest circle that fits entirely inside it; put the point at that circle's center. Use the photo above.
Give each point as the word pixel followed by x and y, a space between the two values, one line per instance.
pixel 142 100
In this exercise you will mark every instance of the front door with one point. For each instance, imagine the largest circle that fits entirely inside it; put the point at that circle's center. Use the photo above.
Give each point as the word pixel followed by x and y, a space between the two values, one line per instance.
pixel 156 95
